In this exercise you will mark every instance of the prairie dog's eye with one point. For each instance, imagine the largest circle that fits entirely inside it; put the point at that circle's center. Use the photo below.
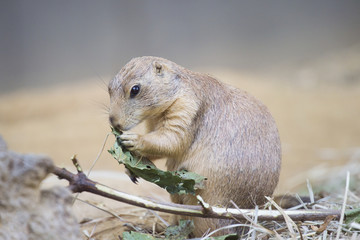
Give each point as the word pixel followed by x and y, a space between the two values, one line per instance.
pixel 134 91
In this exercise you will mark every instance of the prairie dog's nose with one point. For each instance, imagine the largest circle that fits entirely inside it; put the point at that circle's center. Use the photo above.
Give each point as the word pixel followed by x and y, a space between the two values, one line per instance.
pixel 114 123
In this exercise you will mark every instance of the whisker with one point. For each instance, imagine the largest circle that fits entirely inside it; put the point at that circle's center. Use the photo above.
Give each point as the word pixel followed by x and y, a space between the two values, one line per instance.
pixel 103 85
pixel 101 105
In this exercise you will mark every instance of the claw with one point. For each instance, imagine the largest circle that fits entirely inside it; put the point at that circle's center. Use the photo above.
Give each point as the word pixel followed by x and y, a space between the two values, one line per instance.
pixel 129 141
pixel 132 176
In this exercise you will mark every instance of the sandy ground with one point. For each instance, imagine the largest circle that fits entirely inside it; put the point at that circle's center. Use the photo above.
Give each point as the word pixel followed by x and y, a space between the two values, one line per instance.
pixel 319 127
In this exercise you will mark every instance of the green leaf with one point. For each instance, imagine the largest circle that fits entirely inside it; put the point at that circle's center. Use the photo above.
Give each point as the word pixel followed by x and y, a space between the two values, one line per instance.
pixel 175 182
pixel 138 236
pixel 181 231
pixel 352 216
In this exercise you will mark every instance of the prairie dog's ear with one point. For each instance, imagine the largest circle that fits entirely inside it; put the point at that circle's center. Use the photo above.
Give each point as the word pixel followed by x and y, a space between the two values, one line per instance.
pixel 158 68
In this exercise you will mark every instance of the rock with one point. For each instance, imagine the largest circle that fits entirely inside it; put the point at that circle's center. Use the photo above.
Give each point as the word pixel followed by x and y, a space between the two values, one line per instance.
pixel 26 211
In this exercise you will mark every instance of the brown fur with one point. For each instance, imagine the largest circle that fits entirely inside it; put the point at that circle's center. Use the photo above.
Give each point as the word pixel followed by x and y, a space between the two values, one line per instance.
pixel 201 125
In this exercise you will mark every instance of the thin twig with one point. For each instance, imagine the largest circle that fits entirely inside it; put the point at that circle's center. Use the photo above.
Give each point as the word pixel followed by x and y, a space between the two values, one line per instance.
pixel 160 218
pixel 76 164
pixel 102 209
pixel 289 222
pixel 99 154
pixel 225 227
pixel 311 192
pixel 254 222
pixel 343 206
pixel 253 235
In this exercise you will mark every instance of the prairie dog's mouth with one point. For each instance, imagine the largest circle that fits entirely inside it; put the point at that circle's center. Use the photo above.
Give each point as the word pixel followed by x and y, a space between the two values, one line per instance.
pixel 121 124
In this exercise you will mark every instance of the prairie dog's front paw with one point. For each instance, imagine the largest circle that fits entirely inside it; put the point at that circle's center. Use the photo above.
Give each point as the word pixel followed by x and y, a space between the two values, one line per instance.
pixel 131 141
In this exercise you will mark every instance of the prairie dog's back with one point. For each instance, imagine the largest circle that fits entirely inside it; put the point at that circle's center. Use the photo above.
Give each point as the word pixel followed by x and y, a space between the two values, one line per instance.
pixel 236 145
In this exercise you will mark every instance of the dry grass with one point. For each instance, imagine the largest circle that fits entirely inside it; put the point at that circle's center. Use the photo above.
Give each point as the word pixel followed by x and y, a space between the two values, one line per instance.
pixel 145 221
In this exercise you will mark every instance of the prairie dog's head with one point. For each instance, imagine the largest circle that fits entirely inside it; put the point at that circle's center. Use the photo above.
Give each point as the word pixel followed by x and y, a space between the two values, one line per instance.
pixel 144 88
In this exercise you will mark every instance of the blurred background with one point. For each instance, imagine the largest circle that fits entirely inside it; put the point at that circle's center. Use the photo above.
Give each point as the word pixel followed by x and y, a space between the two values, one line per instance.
pixel 301 58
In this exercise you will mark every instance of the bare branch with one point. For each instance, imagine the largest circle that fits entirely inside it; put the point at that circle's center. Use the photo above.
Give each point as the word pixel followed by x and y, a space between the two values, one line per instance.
pixel 81 183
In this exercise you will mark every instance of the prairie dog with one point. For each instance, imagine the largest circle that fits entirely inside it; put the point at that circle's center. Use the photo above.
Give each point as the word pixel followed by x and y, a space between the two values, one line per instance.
pixel 201 125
